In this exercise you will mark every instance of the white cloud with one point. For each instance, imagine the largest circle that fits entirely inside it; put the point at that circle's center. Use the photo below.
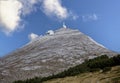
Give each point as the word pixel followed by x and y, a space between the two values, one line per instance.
pixel 11 12
pixel 54 8
pixel 32 36
pixel 90 17
pixel 10 15
pixel 73 16
pixel 28 6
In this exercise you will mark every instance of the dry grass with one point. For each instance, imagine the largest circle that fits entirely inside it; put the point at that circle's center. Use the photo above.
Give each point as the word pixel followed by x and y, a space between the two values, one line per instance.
pixel 112 76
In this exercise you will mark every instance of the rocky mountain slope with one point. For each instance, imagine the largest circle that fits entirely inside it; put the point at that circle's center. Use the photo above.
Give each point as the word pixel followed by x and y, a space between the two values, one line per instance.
pixel 49 54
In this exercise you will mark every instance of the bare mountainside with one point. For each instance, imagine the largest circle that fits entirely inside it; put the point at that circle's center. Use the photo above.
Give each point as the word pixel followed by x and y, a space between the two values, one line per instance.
pixel 49 54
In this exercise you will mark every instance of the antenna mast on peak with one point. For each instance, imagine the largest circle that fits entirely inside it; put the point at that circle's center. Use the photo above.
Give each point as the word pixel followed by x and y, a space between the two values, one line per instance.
pixel 64 26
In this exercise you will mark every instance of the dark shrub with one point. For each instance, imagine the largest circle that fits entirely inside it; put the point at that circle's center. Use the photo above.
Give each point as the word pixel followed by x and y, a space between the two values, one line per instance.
pixel 95 70
pixel 106 69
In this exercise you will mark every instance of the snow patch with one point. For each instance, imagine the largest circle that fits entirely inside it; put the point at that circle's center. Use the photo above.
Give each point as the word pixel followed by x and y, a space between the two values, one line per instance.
pixel 61 60
pixel 5 72
pixel 91 57
pixel 79 61
pixel 44 61
pixel 30 67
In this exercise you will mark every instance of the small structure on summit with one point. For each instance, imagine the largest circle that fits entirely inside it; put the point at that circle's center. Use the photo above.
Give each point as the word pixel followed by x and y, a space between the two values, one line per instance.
pixel 64 26
pixel 50 32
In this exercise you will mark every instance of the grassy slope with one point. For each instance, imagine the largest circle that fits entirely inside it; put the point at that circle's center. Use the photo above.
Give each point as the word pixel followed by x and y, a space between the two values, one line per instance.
pixel 112 76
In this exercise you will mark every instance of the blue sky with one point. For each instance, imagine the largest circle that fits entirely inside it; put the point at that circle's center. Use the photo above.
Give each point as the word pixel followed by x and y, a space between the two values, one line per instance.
pixel 99 19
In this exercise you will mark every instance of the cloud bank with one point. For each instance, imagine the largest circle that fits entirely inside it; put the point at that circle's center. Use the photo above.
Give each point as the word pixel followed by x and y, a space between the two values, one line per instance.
pixel 11 12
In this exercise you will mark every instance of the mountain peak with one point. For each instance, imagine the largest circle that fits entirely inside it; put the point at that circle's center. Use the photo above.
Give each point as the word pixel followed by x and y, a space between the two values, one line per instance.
pixel 50 54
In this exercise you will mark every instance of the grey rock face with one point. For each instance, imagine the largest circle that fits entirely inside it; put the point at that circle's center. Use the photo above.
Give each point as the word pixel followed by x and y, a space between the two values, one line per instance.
pixel 49 54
